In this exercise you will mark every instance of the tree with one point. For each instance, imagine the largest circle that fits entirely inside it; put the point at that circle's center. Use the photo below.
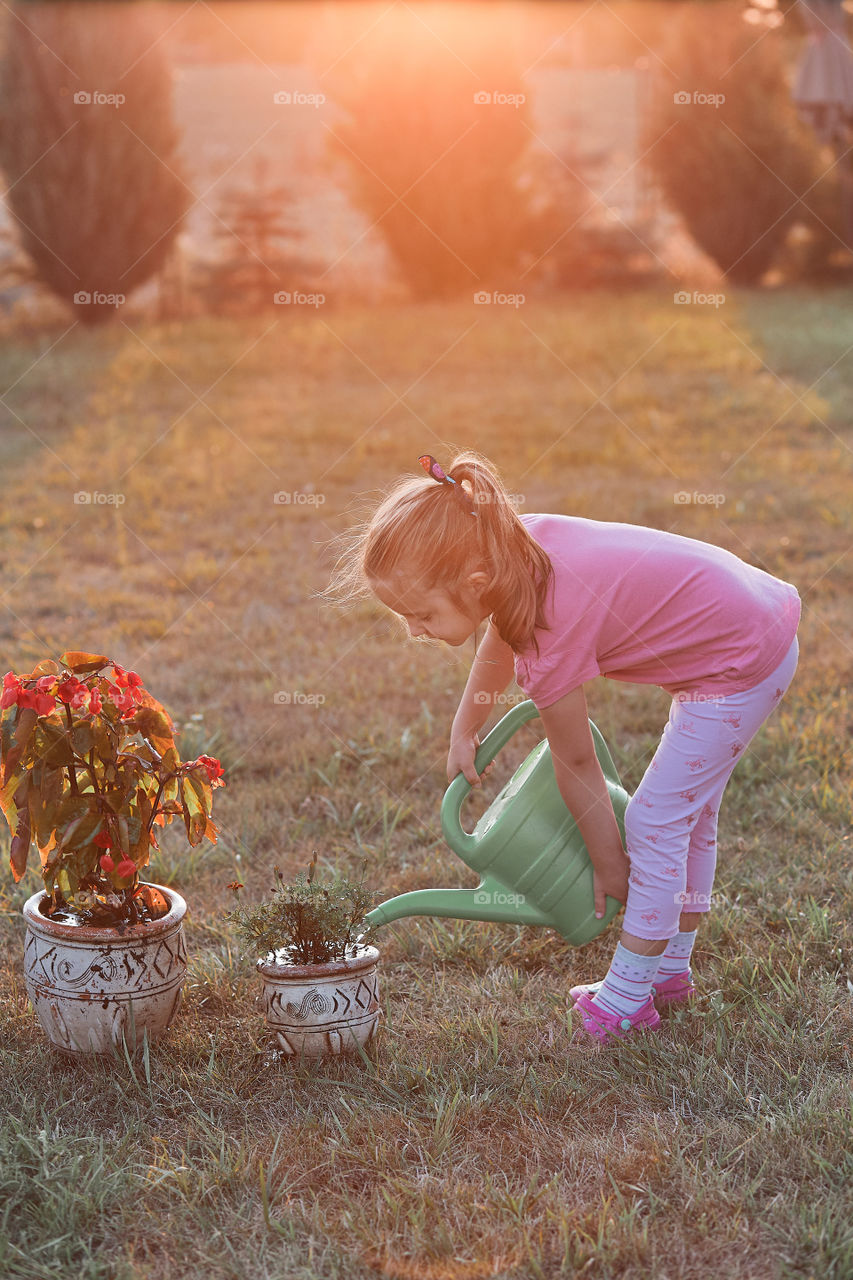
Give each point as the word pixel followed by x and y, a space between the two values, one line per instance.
pixel 435 137
pixel 258 233
pixel 726 145
pixel 88 147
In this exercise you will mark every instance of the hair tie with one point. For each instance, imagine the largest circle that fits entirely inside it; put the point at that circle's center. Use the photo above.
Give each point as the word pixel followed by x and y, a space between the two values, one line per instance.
pixel 436 472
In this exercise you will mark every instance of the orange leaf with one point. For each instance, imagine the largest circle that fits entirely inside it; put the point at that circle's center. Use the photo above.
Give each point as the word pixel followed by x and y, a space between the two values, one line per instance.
pixel 47 667
pixel 80 662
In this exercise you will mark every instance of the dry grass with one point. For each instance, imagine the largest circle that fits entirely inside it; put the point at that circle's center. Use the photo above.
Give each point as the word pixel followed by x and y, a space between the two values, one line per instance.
pixel 476 1142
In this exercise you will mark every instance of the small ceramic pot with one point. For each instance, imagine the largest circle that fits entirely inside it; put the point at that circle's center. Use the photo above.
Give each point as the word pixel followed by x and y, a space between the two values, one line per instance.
pixel 91 986
pixel 317 1010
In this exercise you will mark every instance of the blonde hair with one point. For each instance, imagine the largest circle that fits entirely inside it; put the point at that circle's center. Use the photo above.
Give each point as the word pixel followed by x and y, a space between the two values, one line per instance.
pixel 427 530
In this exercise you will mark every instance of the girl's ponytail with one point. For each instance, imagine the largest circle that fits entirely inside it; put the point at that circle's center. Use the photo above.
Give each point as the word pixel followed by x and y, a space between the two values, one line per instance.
pixel 519 568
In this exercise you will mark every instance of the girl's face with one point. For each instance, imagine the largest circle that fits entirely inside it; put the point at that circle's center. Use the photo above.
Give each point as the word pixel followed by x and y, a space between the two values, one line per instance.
pixel 431 612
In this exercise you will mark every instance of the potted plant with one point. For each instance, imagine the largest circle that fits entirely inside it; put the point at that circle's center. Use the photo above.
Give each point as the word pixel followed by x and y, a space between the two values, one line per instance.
pixel 88 769
pixel 320 984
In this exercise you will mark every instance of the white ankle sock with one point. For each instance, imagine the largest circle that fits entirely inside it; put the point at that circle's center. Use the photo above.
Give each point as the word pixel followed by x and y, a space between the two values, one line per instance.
pixel 628 983
pixel 676 958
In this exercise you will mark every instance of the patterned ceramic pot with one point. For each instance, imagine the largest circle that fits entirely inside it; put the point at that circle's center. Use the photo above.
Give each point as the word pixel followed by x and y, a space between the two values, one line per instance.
pixel 317 1010
pixel 90 986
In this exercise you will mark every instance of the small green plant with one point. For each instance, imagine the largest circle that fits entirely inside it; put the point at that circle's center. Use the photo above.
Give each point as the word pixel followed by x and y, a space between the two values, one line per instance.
pixel 303 922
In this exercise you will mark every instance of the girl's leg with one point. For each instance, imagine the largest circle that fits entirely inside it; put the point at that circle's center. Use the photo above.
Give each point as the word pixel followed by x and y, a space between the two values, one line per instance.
pixel 670 828
pixel 670 822
pixel 739 716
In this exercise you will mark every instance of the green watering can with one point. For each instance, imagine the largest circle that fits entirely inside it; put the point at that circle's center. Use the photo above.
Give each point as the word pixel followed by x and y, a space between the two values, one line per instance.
pixel 527 848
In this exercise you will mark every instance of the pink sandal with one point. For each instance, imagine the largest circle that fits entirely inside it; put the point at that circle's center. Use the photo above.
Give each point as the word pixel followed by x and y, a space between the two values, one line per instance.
pixel 674 989
pixel 601 1025
pixel 669 991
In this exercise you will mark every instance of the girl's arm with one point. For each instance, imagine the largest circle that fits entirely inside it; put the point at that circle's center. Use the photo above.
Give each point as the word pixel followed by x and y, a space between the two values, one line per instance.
pixel 493 669
pixel 584 789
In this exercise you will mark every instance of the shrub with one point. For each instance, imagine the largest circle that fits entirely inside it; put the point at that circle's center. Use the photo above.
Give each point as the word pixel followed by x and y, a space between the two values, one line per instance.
pixel 733 171
pixel 93 185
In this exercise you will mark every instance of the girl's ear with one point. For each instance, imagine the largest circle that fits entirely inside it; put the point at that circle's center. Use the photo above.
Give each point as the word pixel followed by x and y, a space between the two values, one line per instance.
pixel 478 581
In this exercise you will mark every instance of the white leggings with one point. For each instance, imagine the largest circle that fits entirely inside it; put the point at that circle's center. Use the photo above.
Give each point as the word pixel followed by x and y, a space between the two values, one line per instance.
pixel 671 820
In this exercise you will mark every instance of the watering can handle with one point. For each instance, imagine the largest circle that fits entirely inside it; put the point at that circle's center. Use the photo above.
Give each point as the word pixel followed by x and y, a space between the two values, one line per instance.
pixel 494 741
pixel 455 795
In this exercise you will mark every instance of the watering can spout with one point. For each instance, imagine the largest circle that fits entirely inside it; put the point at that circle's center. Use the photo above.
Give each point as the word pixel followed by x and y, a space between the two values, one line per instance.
pixel 486 902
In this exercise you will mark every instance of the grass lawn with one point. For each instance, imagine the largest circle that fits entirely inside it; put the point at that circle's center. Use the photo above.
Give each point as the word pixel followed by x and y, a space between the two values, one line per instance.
pixel 477 1142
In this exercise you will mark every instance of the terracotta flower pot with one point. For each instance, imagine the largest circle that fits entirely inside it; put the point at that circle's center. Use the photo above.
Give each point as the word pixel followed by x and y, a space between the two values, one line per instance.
pixel 90 986
pixel 317 1010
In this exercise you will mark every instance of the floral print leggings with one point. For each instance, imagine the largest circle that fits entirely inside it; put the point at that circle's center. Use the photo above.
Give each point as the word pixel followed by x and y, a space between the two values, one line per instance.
pixel 671 820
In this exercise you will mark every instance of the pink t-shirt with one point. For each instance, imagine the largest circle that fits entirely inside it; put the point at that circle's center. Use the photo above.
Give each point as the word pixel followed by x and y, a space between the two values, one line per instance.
pixel 651 607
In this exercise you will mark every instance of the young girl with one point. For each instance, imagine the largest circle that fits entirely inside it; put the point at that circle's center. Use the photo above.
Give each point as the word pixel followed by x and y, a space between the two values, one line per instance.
pixel 567 599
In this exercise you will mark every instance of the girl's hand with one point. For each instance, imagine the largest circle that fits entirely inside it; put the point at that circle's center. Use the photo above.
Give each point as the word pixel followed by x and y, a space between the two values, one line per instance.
pixel 610 877
pixel 460 759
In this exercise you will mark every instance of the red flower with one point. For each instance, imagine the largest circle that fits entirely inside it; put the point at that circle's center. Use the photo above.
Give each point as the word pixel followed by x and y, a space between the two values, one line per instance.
pixel 126 868
pixel 213 768
pixel 122 699
pixel 11 689
pixel 72 691
pixel 95 704
pixel 103 840
pixel 41 703
pixel 126 679
pixel 107 863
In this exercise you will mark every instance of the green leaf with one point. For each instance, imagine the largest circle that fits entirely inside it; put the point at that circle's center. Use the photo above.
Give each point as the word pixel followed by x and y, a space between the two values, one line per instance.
pixel 53 745
pixel 44 796
pixel 80 831
pixel 7 800
pixel 8 723
pixel 71 806
pixel 20 847
pixel 82 738
pixel 202 789
pixel 17 752
pixel 106 740
pixel 195 819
